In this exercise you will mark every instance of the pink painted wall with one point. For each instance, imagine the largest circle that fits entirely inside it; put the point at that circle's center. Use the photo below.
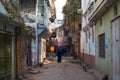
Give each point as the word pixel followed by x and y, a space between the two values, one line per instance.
pixel 89 59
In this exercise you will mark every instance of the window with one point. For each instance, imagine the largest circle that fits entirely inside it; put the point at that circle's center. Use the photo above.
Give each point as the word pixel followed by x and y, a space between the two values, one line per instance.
pixel 86 37
pixel 93 34
pixel 115 10
pixel 100 22
pixel 27 3
pixel 80 27
pixel 89 34
pixel 102 45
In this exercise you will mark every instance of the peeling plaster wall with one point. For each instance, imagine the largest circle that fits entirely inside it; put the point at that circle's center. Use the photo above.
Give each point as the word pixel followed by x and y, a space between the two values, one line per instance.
pixel 87 34
pixel 105 64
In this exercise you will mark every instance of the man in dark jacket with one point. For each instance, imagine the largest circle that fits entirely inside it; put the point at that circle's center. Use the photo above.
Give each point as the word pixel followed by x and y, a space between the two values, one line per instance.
pixel 59 55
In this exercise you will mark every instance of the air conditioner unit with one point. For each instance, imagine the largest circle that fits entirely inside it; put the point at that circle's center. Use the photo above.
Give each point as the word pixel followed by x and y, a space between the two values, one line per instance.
pixel 79 11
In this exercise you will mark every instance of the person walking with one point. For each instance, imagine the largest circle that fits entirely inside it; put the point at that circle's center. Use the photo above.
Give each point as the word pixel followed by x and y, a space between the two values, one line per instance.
pixel 59 55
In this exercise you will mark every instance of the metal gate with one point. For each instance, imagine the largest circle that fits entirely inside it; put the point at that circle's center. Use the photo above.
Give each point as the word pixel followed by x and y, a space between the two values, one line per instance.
pixel 5 56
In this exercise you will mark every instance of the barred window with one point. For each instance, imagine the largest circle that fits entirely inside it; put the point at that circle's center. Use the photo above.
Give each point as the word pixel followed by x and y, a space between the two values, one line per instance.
pixel 102 45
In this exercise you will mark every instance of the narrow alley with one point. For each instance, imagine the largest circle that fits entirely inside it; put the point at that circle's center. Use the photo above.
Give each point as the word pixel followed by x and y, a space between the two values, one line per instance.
pixel 84 33
pixel 66 70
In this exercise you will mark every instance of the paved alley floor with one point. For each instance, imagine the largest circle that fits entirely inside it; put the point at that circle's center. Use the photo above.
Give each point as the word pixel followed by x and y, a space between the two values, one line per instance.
pixel 61 71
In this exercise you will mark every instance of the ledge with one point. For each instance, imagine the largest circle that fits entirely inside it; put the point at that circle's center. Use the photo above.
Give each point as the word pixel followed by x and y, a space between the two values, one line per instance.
pixel 101 9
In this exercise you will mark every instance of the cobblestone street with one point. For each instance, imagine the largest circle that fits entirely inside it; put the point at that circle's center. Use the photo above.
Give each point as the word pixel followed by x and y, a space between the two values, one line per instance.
pixel 61 71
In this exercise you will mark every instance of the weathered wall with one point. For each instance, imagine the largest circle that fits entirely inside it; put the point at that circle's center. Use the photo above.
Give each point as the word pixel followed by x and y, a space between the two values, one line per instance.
pixel 105 64
pixel 6 46
pixel 7 50
pixel 87 34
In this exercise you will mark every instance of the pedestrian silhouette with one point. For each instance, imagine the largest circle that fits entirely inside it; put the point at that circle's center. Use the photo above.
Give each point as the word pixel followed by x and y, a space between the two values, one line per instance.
pixel 59 55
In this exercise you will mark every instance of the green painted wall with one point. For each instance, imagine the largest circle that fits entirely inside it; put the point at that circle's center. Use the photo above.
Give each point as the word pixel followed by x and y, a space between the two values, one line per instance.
pixel 40 18
pixel 105 64
pixel 7 62
pixel 46 14
pixel 97 3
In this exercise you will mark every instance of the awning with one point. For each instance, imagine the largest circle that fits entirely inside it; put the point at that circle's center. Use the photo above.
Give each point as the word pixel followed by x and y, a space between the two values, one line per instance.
pixel 42 31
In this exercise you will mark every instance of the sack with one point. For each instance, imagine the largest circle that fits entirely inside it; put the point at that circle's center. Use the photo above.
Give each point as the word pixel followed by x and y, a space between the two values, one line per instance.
pixel 52 48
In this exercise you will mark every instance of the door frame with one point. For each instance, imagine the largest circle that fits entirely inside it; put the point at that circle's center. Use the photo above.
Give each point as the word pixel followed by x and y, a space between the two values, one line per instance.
pixel 114 75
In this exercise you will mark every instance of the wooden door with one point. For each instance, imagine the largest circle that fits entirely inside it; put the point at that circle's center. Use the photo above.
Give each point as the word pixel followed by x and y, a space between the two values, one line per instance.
pixel 116 48
pixel 43 49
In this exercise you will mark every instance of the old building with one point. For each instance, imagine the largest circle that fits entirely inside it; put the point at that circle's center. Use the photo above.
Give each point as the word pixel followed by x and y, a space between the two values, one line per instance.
pixel 43 13
pixel 10 21
pixel 87 34
pixel 107 29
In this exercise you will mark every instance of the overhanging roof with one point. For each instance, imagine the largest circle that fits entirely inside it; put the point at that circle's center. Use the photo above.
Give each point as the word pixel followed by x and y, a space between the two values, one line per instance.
pixel 42 31
pixel 101 9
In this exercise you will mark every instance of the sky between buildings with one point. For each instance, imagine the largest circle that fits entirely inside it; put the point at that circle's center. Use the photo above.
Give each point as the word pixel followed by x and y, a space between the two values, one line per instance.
pixel 59 5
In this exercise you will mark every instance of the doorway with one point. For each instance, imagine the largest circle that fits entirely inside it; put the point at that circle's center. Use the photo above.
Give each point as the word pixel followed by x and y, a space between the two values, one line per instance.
pixel 116 50
pixel 5 56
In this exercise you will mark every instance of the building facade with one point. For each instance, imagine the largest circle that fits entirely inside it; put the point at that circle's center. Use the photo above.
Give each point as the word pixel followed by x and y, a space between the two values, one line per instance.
pixel 26 51
pixel 107 22
pixel 8 25
pixel 44 17
pixel 87 34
